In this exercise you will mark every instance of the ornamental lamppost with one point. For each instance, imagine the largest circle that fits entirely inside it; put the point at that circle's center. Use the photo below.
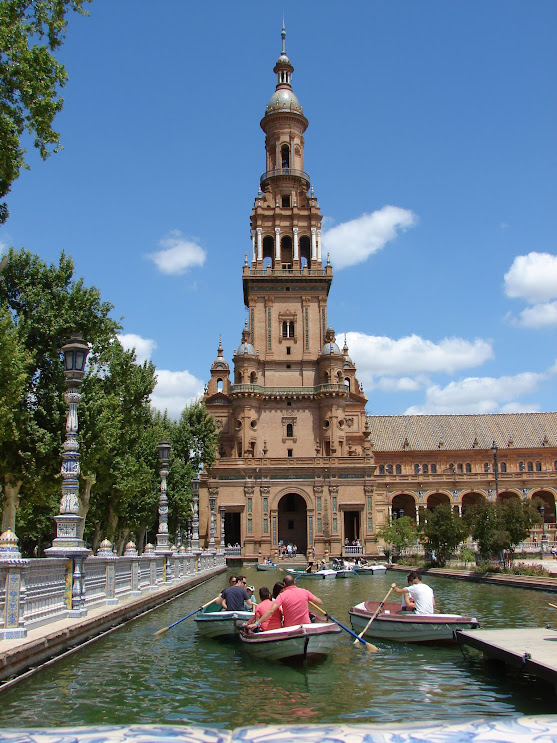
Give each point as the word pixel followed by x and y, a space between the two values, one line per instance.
pixel 222 517
pixel 69 524
pixel 163 546
pixel 541 509
pixel 213 517
pixel 495 449
pixel 195 519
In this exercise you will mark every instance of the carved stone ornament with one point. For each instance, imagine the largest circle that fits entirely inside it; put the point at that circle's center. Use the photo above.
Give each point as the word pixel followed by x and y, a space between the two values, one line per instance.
pixel 248 489
pixel 264 489
pixel 333 489
pixel 318 489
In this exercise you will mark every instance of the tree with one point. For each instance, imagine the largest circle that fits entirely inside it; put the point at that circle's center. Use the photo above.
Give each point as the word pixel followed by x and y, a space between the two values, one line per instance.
pixel 442 532
pixel 399 533
pixel 46 305
pixel 30 81
pixel 15 361
pixel 500 527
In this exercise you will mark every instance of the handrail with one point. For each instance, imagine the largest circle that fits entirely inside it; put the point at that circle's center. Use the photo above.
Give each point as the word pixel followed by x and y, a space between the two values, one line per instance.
pixel 288 272
pixel 270 391
pixel 284 171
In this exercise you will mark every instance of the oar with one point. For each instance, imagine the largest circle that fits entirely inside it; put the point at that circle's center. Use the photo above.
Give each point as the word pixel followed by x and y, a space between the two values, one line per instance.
pixel 554 606
pixel 200 608
pixel 368 646
pixel 365 629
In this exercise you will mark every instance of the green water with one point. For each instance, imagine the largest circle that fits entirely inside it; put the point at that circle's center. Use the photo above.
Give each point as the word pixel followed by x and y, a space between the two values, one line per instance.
pixel 131 677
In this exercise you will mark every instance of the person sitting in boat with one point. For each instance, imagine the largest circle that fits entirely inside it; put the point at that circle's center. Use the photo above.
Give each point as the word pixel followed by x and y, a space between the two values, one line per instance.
pixel 233 597
pixel 309 566
pixel 294 603
pixel 250 590
pixel 417 596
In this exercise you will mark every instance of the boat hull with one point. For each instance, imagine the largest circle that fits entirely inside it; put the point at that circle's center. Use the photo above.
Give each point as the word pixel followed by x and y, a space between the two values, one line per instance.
pixel 221 623
pixel 346 574
pixel 318 575
pixel 371 570
pixel 392 624
pixel 262 566
pixel 300 643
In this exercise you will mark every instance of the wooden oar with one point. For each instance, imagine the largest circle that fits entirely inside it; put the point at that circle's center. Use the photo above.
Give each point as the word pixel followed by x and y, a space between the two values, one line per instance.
pixel 200 608
pixel 381 605
pixel 368 646
pixel 554 606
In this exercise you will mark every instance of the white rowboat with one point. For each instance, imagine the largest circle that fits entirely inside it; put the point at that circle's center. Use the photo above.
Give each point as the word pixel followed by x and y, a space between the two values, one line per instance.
pixel 301 642
pixel 393 624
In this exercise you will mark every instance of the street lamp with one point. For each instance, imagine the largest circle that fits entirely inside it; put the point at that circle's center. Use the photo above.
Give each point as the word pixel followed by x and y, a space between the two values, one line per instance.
pixel 163 547
pixel 69 524
pixel 195 519
pixel 495 449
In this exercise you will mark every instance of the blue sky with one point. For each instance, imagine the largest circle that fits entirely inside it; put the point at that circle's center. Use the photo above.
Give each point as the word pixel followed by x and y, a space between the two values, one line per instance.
pixel 431 147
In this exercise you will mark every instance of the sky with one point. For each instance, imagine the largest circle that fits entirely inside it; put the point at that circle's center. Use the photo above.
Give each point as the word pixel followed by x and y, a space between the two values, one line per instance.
pixel 431 148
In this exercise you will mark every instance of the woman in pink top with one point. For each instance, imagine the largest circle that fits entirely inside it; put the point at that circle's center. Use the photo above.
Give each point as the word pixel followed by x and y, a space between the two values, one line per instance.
pixel 294 604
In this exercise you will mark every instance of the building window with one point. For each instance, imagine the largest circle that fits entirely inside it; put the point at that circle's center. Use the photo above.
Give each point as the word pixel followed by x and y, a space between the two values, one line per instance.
pixel 382 469
pixel 288 350
pixel 459 468
pixel 468 468
pixel 289 430
pixel 487 467
pixel 521 467
pixel 389 469
pixel 538 466
pixel 417 469
pixel 398 469
pixel 530 467
pixel 285 201
pixel 284 154
pixel 433 469
pixel 290 452
pixel 503 466
pixel 425 469
pixel 219 385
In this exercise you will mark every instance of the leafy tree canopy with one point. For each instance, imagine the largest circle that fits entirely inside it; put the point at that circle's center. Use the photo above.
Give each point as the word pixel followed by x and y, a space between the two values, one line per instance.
pixel 442 532
pixel 399 533
pixel 500 527
pixel 30 81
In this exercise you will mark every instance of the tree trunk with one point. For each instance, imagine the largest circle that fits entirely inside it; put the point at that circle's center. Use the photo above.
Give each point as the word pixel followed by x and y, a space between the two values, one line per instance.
pixel 141 539
pixel 84 498
pixel 11 502
pixel 111 524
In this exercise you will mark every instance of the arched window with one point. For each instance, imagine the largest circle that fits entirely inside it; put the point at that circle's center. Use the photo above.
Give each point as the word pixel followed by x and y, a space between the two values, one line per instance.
pixel 347 383
pixel 459 468
pixel 305 251
pixel 425 469
pixel 487 468
pixel 538 466
pixel 285 329
pixel 417 469
pixel 530 467
pixel 468 468
pixel 398 469
pixel 289 430
pixel 521 467
pixel 389 469
pixel 286 252
pixel 291 329
pixel 285 156
pixel 253 378
pixel 219 385
pixel 381 469
pixel 239 377
pixel 433 469
pixel 503 466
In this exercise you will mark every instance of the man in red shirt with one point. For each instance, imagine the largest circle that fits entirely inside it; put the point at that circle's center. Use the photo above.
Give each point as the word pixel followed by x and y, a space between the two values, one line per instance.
pixel 294 603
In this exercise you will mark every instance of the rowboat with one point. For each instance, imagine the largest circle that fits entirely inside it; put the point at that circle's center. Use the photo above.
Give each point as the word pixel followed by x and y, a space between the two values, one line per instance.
pixel 266 566
pixel 213 621
pixel 393 624
pixel 323 574
pixel 346 573
pixel 372 569
pixel 301 642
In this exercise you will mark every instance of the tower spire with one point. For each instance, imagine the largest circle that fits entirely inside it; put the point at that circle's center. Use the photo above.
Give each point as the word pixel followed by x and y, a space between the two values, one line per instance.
pixel 283 36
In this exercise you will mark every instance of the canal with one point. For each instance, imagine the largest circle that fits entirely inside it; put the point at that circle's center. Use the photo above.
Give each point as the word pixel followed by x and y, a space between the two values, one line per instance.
pixel 132 677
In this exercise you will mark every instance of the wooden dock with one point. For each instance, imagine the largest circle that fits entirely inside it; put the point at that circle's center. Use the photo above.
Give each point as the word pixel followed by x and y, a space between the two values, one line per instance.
pixel 532 650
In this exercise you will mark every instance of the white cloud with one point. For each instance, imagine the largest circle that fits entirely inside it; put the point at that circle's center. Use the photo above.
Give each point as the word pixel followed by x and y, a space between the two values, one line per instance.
pixel 353 242
pixel 175 390
pixel 144 347
pixel 399 384
pixel 539 316
pixel 412 355
pixel 481 395
pixel 178 254
pixel 532 277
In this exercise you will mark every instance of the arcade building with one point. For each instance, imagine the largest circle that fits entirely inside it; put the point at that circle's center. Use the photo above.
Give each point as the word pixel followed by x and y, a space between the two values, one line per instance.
pixel 299 459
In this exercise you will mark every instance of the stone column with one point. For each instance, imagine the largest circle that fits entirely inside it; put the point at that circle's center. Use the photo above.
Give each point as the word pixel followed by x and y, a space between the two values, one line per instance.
pixel 195 520
pixel 12 623
pixel 259 244
pixel 277 243
pixel 313 244
pixel 213 516
pixel 296 245
pixel 222 537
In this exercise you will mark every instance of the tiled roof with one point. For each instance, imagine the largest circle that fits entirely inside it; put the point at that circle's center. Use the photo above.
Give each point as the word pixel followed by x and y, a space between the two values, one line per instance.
pixel 454 432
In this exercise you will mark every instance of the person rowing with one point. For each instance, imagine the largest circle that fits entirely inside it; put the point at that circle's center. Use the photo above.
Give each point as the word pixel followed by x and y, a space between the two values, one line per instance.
pixel 417 596
pixel 293 601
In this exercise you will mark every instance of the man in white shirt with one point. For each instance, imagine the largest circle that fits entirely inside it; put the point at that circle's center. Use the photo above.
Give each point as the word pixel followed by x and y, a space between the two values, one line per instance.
pixel 417 596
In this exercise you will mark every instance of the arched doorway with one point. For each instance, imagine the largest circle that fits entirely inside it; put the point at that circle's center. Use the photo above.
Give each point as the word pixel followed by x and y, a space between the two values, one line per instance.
pixel 469 500
pixel 292 521
pixel 404 505
pixel 436 499
pixel 508 495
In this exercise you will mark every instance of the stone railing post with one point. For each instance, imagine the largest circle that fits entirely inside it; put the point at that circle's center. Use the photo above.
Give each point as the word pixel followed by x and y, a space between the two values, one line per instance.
pixel 12 623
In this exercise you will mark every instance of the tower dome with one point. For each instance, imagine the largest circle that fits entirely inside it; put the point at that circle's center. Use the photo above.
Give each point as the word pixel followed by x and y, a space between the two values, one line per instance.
pixel 284 99
pixel 245 347
pixel 220 362
pixel 330 344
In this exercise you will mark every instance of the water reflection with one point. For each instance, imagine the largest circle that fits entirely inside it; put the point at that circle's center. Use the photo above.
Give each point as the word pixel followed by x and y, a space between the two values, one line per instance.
pixel 132 677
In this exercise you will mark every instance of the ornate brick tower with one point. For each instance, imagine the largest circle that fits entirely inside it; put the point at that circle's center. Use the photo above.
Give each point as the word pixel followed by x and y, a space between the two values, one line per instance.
pixel 294 460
